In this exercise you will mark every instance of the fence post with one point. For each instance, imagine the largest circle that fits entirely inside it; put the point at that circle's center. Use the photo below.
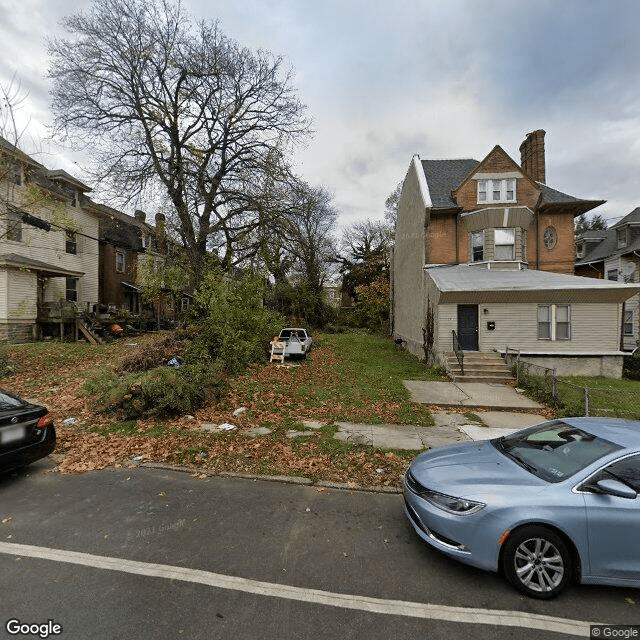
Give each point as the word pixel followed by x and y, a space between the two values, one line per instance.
pixel 586 401
pixel 554 384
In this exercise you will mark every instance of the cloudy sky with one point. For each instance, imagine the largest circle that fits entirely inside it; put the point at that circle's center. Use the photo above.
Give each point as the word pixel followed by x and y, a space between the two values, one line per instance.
pixel 384 79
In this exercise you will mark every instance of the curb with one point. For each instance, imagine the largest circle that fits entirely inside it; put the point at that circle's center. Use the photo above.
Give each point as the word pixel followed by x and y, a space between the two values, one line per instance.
pixel 308 482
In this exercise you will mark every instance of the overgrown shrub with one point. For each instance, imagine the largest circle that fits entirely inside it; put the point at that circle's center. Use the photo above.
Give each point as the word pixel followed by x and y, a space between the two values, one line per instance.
pixel 7 366
pixel 228 329
pixel 159 391
pixel 631 368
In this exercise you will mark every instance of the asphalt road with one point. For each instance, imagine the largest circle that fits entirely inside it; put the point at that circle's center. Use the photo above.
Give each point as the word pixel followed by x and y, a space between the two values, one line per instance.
pixel 157 554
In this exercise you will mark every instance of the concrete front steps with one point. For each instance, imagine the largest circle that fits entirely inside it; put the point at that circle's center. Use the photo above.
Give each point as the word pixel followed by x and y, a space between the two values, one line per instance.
pixel 479 367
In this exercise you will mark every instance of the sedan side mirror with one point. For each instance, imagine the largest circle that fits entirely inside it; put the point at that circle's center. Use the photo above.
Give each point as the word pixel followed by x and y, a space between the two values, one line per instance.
pixel 616 488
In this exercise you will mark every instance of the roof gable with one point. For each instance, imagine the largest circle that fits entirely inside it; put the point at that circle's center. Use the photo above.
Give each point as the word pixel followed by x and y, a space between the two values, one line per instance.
pixel 497 161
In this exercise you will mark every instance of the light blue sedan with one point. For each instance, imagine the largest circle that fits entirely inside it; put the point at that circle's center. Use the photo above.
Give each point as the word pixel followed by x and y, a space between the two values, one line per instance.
pixel 551 503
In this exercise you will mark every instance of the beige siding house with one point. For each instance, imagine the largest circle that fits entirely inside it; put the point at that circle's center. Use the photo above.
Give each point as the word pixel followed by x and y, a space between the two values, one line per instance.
pixel 484 261
pixel 48 248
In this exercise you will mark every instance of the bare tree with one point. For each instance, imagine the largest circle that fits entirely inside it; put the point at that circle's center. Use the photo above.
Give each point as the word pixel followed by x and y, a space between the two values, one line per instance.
pixel 165 101
pixel 391 206
pixel 23 183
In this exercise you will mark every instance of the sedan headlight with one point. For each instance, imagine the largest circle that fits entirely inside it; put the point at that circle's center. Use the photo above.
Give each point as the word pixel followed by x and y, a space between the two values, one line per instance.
pixel 450 504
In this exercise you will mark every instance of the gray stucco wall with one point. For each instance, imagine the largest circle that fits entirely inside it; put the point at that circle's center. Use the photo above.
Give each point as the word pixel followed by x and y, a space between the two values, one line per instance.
pixel 408 262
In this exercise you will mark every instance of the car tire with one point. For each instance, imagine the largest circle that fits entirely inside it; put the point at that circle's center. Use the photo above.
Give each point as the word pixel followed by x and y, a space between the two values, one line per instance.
pixel 537 562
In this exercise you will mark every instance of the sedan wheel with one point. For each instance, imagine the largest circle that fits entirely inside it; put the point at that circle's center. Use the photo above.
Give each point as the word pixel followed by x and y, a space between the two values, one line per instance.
pixel 536 562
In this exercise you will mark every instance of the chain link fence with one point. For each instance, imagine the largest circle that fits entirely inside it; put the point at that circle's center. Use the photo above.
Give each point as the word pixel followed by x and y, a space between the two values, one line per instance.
pixel 570 399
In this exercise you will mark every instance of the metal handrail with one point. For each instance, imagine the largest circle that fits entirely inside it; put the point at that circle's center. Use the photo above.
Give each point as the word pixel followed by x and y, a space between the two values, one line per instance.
pixel 458 351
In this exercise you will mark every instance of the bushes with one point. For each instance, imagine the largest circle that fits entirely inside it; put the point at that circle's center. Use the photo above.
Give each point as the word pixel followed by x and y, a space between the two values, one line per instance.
pixel 158 391
pixel 228 329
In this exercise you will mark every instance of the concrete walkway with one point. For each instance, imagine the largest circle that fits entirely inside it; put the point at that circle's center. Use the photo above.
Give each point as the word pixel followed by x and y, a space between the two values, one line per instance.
pixel 468 394
pixel 449 428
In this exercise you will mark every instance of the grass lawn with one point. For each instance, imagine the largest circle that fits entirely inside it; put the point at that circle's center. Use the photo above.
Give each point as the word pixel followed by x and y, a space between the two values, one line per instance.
pixel 607 397
pixel 353 377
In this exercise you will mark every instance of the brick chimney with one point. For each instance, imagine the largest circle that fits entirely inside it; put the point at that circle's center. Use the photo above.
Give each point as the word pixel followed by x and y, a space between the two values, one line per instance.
pixel 532 156
pixel 140 215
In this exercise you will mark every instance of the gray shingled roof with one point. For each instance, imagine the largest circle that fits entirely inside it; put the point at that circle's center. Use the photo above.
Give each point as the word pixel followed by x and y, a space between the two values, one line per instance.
pixel 630 218
pixel 609 245
pixel 443 176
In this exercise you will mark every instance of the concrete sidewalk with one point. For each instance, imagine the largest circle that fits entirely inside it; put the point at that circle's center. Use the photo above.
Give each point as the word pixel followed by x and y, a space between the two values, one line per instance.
pixel 468 394
pixel 450 427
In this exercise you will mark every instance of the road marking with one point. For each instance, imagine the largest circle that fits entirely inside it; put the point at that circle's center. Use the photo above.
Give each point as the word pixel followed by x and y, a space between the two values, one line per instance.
pixel 464 615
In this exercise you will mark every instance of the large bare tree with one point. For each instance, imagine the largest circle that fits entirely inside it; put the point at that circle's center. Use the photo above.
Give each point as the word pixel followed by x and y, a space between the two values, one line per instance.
pixel 164 101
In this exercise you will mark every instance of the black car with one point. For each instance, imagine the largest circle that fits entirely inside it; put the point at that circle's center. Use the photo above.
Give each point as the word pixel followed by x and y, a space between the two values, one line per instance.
pixel 26 432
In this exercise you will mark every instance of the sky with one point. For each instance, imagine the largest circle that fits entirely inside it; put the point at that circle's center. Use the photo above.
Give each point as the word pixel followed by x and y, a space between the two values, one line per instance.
pixel 386 79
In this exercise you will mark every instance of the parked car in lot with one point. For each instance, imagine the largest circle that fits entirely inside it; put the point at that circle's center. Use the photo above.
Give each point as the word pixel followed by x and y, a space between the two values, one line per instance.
pixel 26 432
pixel 545 505
pixel 296 340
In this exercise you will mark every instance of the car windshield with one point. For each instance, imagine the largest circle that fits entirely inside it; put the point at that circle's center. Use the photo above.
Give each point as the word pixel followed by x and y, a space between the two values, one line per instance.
pixel 555 450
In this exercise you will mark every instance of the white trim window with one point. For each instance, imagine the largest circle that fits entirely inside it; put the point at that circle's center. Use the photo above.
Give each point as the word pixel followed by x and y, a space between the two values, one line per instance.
pixel 14 226
pixel 505 244
pixel 554 322
pixel 628 322
pixel 477 246
pixel 622 237
pixel 502 190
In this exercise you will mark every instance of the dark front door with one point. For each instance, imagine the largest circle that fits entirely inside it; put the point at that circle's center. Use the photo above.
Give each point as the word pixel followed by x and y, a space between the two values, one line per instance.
pixel 468 327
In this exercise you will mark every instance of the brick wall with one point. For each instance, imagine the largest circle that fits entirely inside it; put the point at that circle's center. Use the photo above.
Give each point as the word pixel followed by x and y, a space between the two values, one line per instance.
pixel 440 240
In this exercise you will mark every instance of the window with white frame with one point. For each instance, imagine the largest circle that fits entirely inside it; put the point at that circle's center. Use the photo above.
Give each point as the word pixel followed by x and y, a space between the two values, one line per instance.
pixel 120 261
pixel 554 322
pixel 500 190
pixel 477 246
pixel 505 244
pixel 628 323
pixel 621 235
pixel 72 290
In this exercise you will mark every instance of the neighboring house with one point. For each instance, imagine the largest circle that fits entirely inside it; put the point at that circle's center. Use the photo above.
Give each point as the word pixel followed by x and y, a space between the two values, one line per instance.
pixel 614 254
pixel 48 249
pixel 484 260
pixel 128 245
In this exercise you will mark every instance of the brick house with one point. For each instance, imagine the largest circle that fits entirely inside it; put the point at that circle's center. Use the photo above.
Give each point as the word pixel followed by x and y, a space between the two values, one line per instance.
pixel 484 260
pixel 614 254
pixel 125 242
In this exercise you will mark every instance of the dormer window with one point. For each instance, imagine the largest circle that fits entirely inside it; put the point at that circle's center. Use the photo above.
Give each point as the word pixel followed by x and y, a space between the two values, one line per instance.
pixel 622 237
pixel 497 190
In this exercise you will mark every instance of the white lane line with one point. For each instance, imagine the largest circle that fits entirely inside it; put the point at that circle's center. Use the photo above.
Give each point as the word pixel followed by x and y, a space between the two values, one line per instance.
pixel 315 596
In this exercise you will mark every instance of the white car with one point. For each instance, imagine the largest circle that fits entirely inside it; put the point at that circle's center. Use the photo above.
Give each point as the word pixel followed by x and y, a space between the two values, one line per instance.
pixel 296 340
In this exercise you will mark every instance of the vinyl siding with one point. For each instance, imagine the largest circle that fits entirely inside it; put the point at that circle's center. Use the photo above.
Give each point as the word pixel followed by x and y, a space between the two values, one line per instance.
pixel 21 295
pixel 595 328
pixel 50 247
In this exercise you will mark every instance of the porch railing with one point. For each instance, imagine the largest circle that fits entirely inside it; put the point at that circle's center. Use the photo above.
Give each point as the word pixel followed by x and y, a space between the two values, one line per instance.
pixel 458 351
